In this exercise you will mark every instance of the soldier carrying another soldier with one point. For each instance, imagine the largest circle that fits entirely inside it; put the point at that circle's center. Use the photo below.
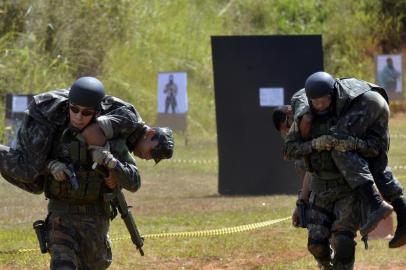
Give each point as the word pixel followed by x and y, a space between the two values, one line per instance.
pixel 338 170
pixel 78 219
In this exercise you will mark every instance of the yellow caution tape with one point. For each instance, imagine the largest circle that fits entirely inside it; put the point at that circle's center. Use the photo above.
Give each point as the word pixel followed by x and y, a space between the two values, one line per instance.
pixel 214 232
pixel 189 161
pixel 202 233
pixel 18 251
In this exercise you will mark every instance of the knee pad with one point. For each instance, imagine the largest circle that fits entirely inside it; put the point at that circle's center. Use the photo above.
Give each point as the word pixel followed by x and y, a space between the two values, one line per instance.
pixel 62 265
pixel 344 247
pixel 319 249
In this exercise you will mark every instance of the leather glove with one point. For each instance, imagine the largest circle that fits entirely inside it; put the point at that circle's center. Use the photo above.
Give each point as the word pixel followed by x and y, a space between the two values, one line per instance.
pixel 324 142
pixel 102 156
pixel 59 170
pixel 349 144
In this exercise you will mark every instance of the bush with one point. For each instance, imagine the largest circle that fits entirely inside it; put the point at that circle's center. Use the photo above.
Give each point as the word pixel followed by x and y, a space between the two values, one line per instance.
pixel 46 44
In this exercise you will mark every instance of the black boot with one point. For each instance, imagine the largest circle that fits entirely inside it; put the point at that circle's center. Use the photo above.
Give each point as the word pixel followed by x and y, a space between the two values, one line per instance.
pixel 379 208
pixel 399 239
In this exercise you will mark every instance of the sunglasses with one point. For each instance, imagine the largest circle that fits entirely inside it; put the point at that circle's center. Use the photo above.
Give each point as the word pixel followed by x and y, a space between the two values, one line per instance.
pixel 84 112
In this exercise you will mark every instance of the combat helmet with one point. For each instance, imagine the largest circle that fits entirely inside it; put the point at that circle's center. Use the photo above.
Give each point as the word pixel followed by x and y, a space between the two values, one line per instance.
pixel 87 92
pixel 319 84
pixel 166 144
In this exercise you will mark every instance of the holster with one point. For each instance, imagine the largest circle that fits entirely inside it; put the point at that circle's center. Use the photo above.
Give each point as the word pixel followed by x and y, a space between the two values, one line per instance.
pixel 303 208
pixel 40 231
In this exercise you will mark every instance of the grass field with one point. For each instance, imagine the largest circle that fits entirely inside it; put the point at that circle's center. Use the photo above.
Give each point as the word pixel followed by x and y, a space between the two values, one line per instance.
pixel 183 197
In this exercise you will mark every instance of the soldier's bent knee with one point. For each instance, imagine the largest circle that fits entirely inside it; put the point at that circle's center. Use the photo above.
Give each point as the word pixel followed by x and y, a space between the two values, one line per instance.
pixel 344 246
pixel 62 265
pixel 319 249
pixel 375 102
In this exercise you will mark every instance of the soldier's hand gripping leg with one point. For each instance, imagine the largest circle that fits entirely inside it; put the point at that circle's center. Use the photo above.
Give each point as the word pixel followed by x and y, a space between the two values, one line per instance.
pixel 399 239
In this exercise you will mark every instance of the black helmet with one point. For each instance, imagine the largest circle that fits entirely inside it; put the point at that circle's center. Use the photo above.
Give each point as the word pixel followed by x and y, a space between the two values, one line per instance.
pixel 87 92
pixel 165 146
pixel 319 84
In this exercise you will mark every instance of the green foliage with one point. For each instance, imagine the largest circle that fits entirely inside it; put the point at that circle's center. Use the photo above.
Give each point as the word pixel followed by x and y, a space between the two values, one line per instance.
pixel 46 44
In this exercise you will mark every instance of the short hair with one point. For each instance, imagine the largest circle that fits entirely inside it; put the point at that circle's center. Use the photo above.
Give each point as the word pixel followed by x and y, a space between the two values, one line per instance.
pixel 166 144
pixel 279 116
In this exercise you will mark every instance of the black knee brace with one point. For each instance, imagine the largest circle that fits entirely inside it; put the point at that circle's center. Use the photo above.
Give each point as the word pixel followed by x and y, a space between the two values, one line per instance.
pixel 62 265
pixel 319 249
pixel 344 247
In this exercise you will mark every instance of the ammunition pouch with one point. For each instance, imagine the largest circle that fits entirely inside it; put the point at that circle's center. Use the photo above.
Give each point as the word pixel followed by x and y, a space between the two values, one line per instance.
pixel 323 182
pixel 91 209
pixel 89 189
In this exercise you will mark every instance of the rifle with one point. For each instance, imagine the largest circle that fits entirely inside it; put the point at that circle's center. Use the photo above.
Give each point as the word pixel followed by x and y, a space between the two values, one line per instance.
pixel 117 199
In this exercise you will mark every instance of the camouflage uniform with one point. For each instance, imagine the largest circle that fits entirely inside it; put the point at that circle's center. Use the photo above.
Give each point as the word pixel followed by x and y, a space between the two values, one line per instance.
pixel 366 116
pixel 360 117
pixel 300 106
pixel 25 165
pixel 334 208
pixel 79 241
pixel 78 220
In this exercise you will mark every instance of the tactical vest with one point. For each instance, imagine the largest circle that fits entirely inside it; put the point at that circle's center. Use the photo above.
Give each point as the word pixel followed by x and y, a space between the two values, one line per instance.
pixel 70 150
pixel 322 164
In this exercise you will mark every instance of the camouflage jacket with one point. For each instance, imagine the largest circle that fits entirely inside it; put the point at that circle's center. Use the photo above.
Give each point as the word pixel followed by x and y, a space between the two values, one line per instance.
pixel 300 104
pixel 348 89
pixel 45 115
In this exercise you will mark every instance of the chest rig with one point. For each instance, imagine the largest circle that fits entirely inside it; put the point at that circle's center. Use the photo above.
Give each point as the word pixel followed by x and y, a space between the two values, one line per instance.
pixel 322 162
pixel 73 151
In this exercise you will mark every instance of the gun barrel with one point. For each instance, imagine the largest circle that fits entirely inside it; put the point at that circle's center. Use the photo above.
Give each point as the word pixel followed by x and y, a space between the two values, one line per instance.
pixel 73 180
pixel 119 201
pixel 128 218
pixel 133 230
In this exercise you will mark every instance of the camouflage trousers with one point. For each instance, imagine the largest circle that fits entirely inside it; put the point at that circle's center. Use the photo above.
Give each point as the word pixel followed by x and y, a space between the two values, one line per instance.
pixel 78 241
pixel 333 222
pixel 300 168
pixel 367 118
